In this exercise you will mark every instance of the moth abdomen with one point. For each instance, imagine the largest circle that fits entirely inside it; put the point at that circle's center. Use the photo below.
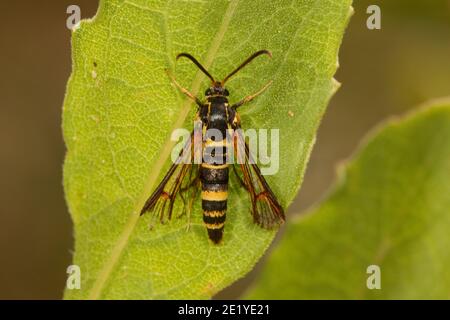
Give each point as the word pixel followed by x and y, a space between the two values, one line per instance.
pixel 214 198
pixel 214 222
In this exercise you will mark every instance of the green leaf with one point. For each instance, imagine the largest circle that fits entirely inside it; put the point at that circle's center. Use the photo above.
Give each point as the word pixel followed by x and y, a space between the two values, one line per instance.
pixel 390 208
pixel 121 109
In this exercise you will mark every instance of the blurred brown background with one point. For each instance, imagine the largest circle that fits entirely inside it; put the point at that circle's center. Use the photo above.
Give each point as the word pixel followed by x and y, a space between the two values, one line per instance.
pixel 383 72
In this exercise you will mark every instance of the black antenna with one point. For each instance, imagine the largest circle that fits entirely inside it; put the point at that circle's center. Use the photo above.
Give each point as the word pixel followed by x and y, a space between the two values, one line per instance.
pixel 249 59
pixel 187 55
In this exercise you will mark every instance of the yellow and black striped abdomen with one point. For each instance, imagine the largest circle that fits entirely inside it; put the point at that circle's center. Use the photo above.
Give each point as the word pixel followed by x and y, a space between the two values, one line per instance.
pixel 214 180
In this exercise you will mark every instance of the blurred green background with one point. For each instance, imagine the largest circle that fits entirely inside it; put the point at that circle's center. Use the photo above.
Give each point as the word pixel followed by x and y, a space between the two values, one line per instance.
pixel 383 73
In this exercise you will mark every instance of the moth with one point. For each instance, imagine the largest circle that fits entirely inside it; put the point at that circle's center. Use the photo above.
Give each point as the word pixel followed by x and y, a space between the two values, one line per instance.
pixel 211 175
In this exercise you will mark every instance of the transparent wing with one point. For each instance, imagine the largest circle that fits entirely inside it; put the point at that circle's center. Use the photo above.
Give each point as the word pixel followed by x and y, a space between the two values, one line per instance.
pixel 266 210
pixel 180 178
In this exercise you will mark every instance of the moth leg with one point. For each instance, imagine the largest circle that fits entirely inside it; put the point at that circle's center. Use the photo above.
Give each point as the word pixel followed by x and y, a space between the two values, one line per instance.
pixel 184 205
pixel 188 206
pixel 194 197
pixel 184 189
pixel 188 215
pixel 185 91
pixel 239 177
pixel 155 218
pixel 251 97
pixel 235 150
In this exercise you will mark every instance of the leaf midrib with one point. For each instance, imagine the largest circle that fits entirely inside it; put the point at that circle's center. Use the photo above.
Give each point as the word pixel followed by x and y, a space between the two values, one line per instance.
pixel 121 243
